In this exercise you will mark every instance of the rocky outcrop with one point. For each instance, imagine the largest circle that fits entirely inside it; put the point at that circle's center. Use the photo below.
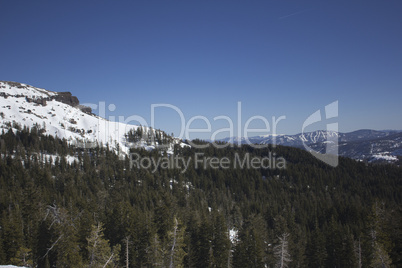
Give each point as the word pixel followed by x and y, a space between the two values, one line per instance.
pixel 85 109
pixel 67 98
pixel 14 84
pixel 64 97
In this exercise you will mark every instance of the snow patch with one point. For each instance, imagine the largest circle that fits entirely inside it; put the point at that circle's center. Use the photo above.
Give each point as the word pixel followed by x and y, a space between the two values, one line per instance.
pixel 11 266
pixel 233 235
pixel 379 157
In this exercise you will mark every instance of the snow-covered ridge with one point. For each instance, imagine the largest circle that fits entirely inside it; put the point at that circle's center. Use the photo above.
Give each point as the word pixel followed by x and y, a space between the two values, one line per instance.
pixel 364 144
pixel 60 115
pixel 16 89
pixel 288 140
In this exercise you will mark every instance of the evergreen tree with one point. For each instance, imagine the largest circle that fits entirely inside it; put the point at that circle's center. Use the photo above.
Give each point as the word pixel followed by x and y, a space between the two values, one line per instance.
pixel 23 257
pixel 2 254
pixel 250 250
pixel 200 250
pixel 99 250
pixel 12 229
pixel 333 245
pixel 380 242
pixel 316 251
pixel 155 252
pixel 349 259
pixel 220 242
pixel 64 243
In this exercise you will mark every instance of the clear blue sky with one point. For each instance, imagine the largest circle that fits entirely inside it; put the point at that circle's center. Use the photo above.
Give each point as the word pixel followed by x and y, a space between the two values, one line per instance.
pixel 277 57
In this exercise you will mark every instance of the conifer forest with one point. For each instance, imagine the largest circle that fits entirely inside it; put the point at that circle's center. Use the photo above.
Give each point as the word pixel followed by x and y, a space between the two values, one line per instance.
pixel 63 206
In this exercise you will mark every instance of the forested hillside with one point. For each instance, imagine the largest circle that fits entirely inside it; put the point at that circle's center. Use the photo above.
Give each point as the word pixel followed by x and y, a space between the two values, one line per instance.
pixel 62 206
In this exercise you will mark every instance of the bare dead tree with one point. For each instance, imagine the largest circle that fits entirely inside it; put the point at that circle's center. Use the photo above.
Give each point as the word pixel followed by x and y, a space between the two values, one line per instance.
pixel 127 259
pixel 281 251
pixel 52 246
pixel 358 252
pixel 110 258
pixel 174 242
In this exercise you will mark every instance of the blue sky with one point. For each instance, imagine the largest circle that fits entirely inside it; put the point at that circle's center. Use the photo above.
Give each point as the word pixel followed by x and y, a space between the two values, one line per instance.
pixel 278 58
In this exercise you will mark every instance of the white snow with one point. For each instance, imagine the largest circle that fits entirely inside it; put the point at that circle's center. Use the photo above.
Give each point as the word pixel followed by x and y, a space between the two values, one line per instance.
pixel 233 235
pixel 188 185
pixel 384 157
pixel 11 266
pixel 26 90
pixel 270 135
pixel 52 157
pixel 171 182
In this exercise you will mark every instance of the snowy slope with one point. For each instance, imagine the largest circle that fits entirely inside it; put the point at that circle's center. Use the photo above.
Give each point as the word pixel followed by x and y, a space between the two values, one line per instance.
pixel 24 105
pixel 10 266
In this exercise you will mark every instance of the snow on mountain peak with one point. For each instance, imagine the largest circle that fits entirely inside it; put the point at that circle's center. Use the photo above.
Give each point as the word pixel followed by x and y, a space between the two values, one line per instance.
pixel 60 115
pixel 16 89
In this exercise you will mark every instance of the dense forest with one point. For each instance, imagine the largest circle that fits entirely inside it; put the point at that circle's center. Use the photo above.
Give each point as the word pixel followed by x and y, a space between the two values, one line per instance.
pixel 62 206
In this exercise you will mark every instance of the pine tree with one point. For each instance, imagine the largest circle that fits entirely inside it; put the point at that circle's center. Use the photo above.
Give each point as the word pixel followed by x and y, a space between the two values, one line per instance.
pixel 203 244
pixel 99 250
pixel 316 251
pixel 13 236
pixel 163 219
pixel 333 245
pixel 250 250
pixel 220 242
pixel 379 239
pixel 2 254
pixel 155 252
pixel 64 248
pixel 23 257
pixel 349 258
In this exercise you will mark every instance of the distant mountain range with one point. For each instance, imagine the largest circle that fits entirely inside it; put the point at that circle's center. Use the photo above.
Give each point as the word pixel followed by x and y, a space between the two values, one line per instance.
pixel 60 114
pixel 365 144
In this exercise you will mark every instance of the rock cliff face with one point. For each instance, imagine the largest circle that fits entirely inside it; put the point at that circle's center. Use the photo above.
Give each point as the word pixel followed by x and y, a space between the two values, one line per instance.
pixel 67 98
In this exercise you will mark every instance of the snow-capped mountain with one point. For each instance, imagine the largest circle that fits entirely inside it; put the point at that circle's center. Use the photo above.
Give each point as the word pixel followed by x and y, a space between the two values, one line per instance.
pixel 287 140
pixel 365 144
pixel 59 114
pixel 369 145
